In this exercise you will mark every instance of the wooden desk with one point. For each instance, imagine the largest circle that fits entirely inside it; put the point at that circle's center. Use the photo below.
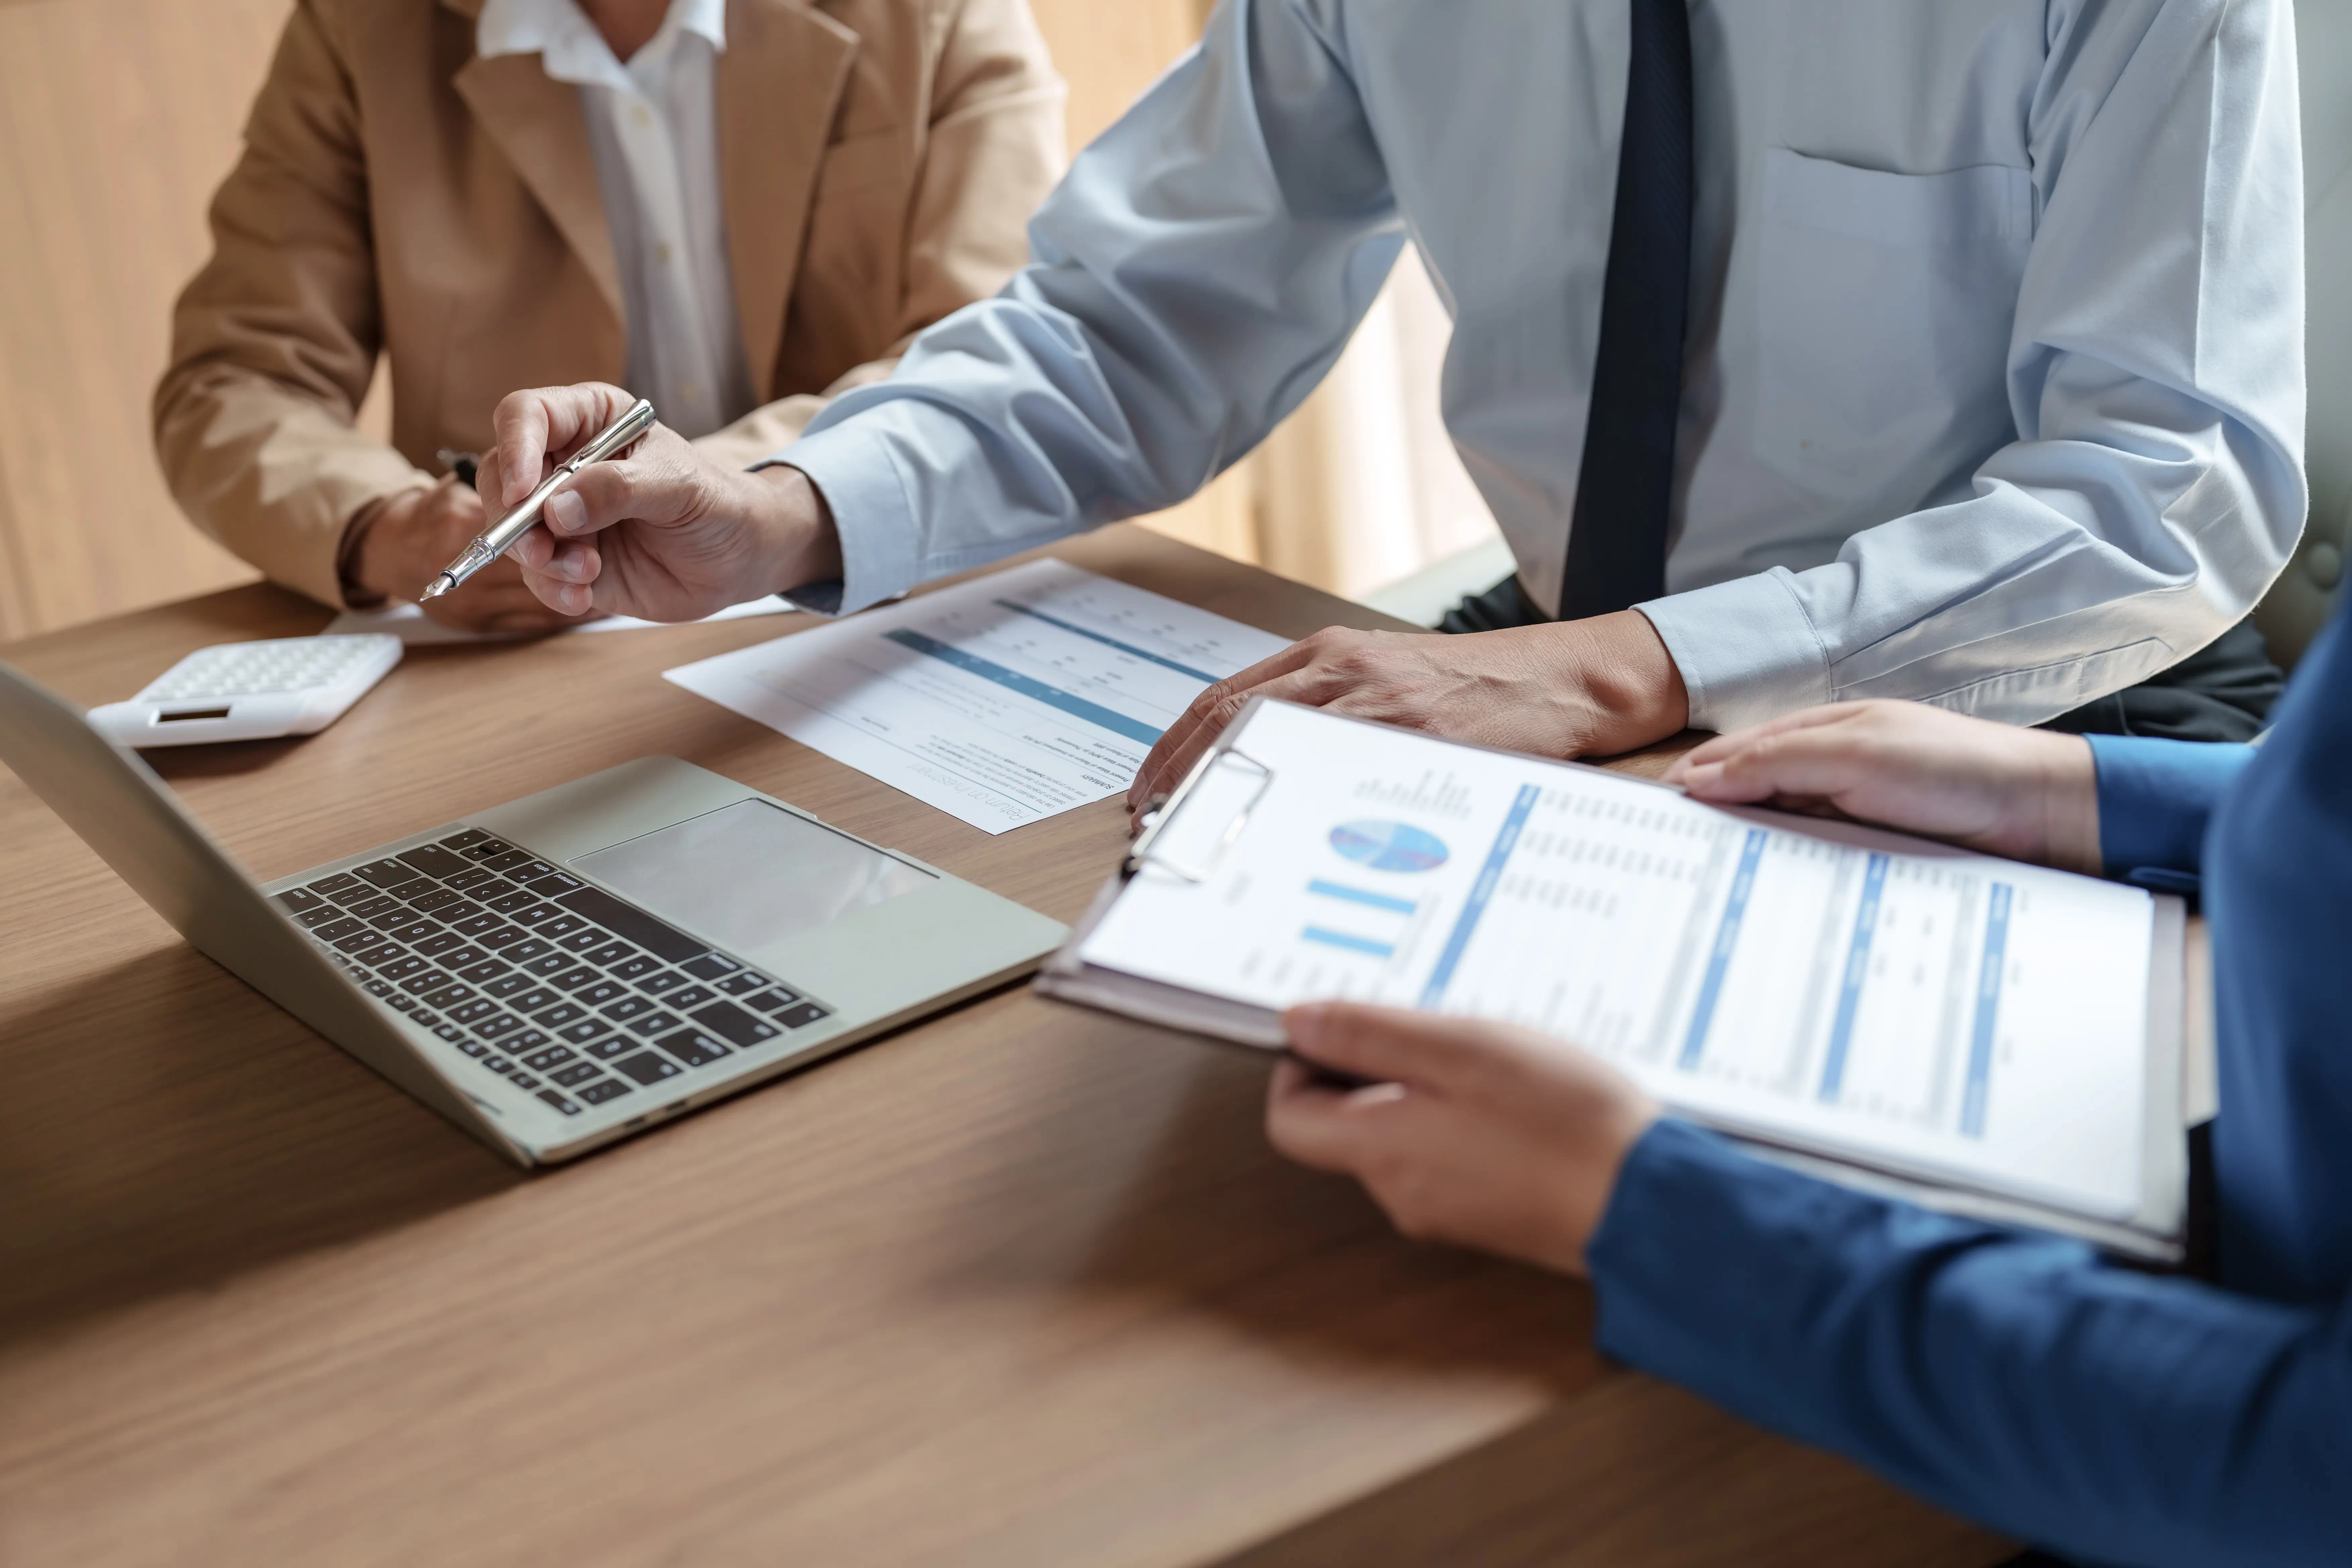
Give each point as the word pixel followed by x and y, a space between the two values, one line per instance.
pixel 1021 1286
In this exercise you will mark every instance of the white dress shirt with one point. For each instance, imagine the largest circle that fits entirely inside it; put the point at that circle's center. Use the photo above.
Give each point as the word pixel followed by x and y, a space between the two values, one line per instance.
pixel 653 127
pixel 1993 388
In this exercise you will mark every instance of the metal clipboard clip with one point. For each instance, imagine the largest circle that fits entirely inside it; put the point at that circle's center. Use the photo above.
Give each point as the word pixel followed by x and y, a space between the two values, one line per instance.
pixel 1147 849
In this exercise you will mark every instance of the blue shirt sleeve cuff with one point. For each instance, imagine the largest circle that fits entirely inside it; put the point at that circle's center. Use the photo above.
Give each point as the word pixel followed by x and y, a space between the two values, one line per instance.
pixel 2155 799
pixel 880 553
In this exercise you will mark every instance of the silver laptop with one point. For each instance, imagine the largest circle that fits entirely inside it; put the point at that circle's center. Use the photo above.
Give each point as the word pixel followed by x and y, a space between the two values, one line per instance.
pixel 559 971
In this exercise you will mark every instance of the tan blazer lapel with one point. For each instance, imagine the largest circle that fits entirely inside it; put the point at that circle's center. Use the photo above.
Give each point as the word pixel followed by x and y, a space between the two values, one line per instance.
pixel 536 121
pixel 780 82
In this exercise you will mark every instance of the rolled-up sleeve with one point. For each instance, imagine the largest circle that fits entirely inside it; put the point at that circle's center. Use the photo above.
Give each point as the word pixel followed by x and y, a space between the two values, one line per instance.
pixel 2155 379
pixel 2012 1378
pixel 1190 280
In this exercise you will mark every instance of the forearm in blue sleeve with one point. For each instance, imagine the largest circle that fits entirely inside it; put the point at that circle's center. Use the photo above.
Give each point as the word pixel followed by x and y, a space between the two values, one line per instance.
pixel 2127 1417
pixel 2155 797
pixel 1191 282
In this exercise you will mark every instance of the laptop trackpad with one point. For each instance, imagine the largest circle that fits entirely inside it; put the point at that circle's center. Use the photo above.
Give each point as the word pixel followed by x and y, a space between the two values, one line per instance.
pixel 750 874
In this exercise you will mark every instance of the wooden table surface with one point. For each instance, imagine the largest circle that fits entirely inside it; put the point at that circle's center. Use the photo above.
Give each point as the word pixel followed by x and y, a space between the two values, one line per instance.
pixel 1021 1285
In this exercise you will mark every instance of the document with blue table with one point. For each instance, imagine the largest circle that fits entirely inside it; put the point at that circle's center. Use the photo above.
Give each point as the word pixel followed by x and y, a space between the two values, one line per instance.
pixel 1986 1037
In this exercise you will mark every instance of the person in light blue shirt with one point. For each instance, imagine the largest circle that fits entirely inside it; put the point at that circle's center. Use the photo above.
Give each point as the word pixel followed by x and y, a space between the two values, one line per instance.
pixel 2016 1378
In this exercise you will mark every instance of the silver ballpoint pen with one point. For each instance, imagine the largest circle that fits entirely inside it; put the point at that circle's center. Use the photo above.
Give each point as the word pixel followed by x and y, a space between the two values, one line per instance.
pixel 493 540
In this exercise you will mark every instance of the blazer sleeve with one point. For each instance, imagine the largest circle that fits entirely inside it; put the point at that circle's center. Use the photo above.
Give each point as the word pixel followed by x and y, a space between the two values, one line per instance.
pixel 274 341
pixel 2156 798
pixel 994 149
pixel 2124 1416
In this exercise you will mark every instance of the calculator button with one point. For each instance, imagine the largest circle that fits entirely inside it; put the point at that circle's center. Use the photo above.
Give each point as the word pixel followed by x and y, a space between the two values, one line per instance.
pixel 602 1089
pixel 693 1048
pixel 802 1017
pixel 726 1019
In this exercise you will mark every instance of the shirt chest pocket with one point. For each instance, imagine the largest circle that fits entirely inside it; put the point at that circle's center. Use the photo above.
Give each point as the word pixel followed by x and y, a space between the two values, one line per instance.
pixel 1883 309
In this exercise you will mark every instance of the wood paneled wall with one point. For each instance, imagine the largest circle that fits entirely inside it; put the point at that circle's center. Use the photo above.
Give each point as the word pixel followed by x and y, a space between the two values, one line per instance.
pixel 117 119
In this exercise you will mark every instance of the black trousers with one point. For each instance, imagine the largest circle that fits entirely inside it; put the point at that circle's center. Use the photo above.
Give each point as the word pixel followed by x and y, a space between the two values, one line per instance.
pixel 2222 693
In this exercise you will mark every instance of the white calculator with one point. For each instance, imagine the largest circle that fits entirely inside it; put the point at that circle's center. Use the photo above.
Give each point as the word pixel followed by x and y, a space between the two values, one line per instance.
pixel 251 690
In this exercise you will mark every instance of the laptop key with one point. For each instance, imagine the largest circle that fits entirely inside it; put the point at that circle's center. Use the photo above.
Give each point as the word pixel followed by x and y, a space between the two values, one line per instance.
pixel 380 953
pixel 602 1089
pixel 587 1029
pixel 726 1019
pixel 462 958
pixel 426 1017
pixel 502 986
pixel 485 851
pixel 376 987
pixel 491 1028
pixel 499 939
pixel 393 999
pixel 580 941
pixel 596 996
pixel 630 968
pixel 480 926
pixel 647 1066
pixel 459 914
pixel 393 918
pixel 555 963
pixel 626 1008
pixel 632 924
pixel 526 950
pixel 802 1017
pixel 553 883
pixel 385 873
pixel 690 997
pixel 486 968
pixel 328 886
pixel 402 968
pixel 768 1000
pixel 529 1040
pixel 448 998
pixel 414 932
pixel 563 926
pixel 611 954
pixel 299 900
pixel 508 859
pixel 573 978
pixel 433 859
pixel 451 1033
pixel 576 1074
pixel 558 1017
pixel 523 1080
pixel 336 930
pixel 611 1046
pixel 532 1000
pixel 652 1023
pixel 517 900
pixel 709 966
pixel 471 1047
pixel 470 877
pixel 668 980
pixel 465 840
pixel 362 937
pixel 693 1048
pixel 379 904
pixel 533 911
pixel 568 1107
pixel 434 899
pixel 498 1065
pixel 550 1059
pixel 743 984
pixel 311 920
pixel 435 946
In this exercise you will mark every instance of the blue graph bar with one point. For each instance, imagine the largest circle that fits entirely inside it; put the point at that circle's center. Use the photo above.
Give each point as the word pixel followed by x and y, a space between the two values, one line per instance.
pixel 1358 895
pixel 1996 959
pixel 1727 937
pixel 1857 968
pixel 1483 890
pixel 1094 713
pixel 1203 675
pixel 1352 943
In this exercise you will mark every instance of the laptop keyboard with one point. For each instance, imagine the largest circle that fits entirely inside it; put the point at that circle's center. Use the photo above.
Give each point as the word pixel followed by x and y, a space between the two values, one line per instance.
pixel 558 987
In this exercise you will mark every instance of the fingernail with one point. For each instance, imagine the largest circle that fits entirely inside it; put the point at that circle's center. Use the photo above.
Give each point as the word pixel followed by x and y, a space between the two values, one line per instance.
pixel 564 512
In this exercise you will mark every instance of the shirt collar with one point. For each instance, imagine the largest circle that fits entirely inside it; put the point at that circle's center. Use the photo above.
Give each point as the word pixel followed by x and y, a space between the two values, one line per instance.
pixel 568 42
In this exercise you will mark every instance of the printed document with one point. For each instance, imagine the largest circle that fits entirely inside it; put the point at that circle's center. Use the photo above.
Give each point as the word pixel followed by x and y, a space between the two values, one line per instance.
pixel 415 628
pixel 1938 1013
pixel 1000 701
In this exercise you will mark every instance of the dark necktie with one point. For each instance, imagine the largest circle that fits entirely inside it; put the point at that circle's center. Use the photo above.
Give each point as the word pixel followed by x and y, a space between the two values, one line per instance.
pixel 1617 539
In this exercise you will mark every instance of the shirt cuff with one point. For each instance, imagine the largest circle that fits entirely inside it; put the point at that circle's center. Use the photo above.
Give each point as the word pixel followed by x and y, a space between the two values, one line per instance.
pixel 880 555
pixel 1746 649
pixel 2155 797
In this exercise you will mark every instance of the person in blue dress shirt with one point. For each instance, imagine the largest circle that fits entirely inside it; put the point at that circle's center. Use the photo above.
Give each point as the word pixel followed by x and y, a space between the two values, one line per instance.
pixel 2022 1379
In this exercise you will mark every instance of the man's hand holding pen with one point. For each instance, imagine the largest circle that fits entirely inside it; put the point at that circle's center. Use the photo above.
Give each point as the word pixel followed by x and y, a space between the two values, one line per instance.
pixel 664 532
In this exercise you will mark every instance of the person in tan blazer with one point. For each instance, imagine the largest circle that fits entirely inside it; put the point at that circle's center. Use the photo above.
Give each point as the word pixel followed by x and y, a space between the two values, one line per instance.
pixel 403 192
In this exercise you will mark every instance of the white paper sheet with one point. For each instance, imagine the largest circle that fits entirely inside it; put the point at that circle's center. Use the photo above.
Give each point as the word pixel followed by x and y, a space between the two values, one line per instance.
pixel 412 626
pixel 1950 1014
pixel 1000 701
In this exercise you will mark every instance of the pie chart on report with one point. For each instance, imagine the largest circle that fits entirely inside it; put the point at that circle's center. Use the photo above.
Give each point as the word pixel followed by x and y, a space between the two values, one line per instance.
pixel 1389 845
